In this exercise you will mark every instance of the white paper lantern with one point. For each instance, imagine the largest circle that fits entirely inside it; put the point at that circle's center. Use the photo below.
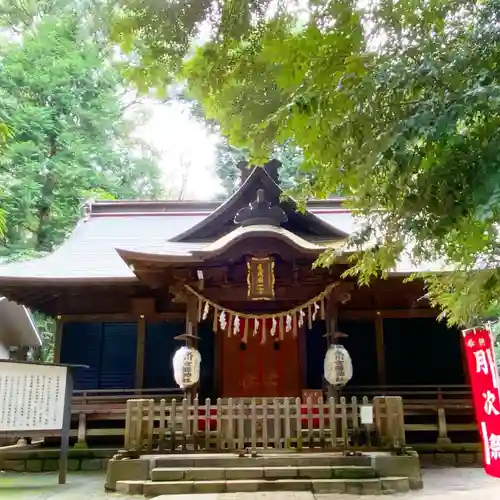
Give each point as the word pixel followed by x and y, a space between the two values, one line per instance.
pixel 186 364
pixel 338 365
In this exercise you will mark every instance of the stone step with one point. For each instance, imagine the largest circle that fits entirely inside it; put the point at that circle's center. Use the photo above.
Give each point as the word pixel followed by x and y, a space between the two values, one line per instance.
pixel 271 460
pixel 385 485
pixel 219 473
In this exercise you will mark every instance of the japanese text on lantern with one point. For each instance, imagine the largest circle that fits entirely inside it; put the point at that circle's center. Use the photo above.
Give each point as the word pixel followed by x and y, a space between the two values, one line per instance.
pixel 485 391
pixel 260 278
pixel 187 369
pixel 339 364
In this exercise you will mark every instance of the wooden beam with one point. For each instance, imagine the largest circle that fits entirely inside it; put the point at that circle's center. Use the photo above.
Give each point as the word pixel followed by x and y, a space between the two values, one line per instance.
pixel 379 332
pixel 141 345
pixel 58 340
pixel 331 324
pixel 362 314
pixel 331 319
pixel 119 317
pixel 304 291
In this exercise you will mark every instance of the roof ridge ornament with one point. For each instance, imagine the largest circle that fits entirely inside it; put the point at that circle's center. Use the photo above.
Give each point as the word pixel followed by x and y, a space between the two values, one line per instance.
pixel 260 211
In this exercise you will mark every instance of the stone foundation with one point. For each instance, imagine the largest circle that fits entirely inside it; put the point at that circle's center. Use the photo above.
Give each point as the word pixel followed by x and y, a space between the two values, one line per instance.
pixel 451 459
pixel 41 460
pixel 377 473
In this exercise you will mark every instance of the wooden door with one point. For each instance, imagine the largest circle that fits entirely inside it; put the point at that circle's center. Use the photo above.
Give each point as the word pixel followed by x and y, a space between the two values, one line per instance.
pixel 259 370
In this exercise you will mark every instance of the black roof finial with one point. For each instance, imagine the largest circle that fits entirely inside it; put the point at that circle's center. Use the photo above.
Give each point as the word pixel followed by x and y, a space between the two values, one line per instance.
pixel 260 211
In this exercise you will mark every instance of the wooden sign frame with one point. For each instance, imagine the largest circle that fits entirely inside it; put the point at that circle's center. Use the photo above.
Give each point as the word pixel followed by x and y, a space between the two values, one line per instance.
pixel 66 415
pixel 260 277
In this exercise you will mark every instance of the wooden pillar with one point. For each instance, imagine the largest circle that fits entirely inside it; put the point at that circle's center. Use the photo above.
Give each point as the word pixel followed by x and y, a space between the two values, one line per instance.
pixel 302 347
pixel 58 339
pixel 218 368
pixel 379 332
pixel 331 320
pixel 192 328
pixel 141 345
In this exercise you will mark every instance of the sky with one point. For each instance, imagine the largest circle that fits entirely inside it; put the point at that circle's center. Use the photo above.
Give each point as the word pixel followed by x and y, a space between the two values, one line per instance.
pixel 186 151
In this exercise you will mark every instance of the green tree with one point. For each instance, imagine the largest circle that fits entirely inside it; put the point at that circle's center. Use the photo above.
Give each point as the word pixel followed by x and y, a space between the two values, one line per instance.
pixel 395 104
pixel 69 140
pixel 227 156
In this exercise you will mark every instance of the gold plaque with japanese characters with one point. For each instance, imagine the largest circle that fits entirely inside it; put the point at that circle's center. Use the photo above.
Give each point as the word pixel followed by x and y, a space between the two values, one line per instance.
pixel 260 278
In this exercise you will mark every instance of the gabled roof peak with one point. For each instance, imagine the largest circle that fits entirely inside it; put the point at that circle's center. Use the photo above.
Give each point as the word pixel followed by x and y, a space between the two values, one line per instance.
pixel 261 211
pixel 271 168
pixel 259 179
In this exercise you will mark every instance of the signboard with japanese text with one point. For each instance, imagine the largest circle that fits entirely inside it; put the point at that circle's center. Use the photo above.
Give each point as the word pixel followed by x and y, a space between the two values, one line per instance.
pixel 35 400
pixel 260 278
pixel 32 397
pixel 484 380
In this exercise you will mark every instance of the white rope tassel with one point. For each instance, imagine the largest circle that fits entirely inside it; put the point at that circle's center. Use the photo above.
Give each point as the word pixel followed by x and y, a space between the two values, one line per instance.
pixel 316 311
pixel 222 320
pixel 236 326
pixel 273 327
pixel 206 310
pixel 301 318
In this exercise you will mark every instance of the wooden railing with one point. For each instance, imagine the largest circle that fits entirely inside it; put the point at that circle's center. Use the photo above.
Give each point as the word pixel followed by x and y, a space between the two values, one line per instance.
pixel 276 423
pixel 412 392
pixel 108 396
pixel 433 414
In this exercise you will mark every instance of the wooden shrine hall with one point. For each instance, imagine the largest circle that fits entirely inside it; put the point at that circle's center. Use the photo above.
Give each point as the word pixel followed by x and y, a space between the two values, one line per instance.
pixel 239 277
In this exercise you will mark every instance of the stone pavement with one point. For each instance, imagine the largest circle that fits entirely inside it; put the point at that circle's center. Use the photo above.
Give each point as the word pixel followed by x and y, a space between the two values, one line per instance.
pixel 440 484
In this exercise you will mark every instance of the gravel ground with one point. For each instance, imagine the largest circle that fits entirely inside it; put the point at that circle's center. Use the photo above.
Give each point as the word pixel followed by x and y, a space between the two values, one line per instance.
pixel 440 484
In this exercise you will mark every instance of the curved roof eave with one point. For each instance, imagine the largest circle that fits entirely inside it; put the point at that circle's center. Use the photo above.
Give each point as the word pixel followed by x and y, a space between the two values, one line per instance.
pixel 218 247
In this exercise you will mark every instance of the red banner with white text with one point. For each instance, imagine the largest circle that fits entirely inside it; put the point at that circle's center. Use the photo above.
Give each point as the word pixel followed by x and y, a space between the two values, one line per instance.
pixel 484 380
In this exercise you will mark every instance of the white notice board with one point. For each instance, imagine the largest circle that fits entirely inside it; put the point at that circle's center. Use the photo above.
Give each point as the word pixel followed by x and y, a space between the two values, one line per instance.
pixel 32 397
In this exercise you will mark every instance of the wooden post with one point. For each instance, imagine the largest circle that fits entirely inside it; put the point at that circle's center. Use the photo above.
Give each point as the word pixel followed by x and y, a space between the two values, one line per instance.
pixel 63 457
pixel 379 332
pixel 141 345
pixel 58 339
pixel 302 345
pixel 331 328
pixel 192 327
pixel 81 441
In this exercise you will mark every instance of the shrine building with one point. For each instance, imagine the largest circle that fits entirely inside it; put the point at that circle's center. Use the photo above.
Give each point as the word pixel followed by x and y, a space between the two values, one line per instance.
pixel 237 276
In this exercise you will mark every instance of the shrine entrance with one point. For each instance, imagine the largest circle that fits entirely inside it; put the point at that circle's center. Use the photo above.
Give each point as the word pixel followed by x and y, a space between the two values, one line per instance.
pixel 260 369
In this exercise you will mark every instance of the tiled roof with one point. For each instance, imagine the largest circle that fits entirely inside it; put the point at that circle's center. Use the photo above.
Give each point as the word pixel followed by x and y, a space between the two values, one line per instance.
pixel 90 251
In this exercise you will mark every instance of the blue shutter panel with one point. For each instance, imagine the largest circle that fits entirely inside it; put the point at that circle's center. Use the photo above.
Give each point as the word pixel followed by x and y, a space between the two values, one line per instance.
pixel 119 350
pixel 81 345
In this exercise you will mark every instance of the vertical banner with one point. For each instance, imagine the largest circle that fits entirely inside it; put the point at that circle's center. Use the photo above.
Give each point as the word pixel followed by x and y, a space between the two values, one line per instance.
pixel 484 380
